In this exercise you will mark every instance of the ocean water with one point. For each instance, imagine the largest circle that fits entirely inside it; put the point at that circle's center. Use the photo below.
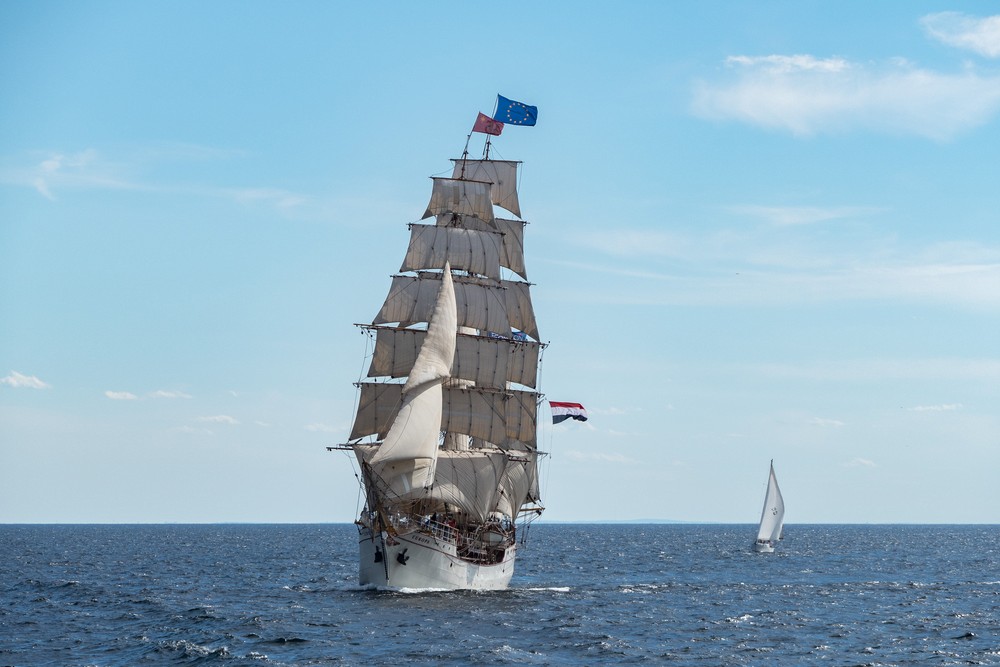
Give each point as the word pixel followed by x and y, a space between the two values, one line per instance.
pixel 581 595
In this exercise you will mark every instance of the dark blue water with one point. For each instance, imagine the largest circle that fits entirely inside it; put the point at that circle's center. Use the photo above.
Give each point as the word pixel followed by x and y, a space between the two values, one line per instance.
pixel 582 594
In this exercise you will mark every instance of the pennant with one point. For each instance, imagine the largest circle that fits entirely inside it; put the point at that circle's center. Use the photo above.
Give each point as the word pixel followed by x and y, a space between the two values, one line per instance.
pixel 563 411
pixel 515 113
pixel 487 125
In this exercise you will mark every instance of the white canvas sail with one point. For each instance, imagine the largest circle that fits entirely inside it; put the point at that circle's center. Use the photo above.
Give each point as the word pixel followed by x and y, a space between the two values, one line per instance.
pixel 483 360
pixel 407 455
pixel 465 249
pixel 502 174
pixel 512 245
pixel 516 484
pixel 461 197
pixel 773 515
pixel 483 304
pixel 411 298
pixel 490 415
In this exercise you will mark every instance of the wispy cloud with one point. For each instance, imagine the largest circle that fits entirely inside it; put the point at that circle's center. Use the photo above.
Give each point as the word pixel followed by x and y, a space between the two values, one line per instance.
pixel 121 395
pixel 806 95
pixel 85 169
pixel 53 172
pixel 860 463
pixel 803 215
pixel 282 199
pixel 219 419
pixel 574 455
pixel 163 393
pixel 321 428
pixel 758 269
pixel 979 35
pixel 967 370
pixel 945 407
pixel 21 381
pixel 820 421
pixel 615 411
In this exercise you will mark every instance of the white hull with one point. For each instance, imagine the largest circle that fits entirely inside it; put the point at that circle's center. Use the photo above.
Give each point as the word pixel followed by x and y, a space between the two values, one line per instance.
pixel 763 547
pixel 421 560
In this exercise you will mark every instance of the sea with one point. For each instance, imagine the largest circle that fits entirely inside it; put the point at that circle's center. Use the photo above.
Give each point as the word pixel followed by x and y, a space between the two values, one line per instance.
pixel 582 594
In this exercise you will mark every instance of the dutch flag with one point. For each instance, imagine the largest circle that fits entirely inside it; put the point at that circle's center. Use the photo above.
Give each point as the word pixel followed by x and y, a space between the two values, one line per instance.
pixel 563 411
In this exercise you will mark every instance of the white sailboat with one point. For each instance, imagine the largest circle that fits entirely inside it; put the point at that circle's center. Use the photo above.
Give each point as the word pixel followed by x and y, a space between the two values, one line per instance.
pixel 448 457
pixel 772 517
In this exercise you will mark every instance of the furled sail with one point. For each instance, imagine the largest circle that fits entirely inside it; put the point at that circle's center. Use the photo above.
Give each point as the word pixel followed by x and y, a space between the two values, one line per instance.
pixel 461 197
pixel 773 515
pixel 465 249
pixel 501 173
pixel 407 455
pixel 486 361
pixel 490 415
pixel 512 246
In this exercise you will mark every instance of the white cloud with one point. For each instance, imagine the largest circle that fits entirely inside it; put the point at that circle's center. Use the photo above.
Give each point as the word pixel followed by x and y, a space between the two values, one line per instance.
pixel 321 428
pixel 806 95
pixel 966 370
pixel 614 411
pixel 601 458
pixel 86 169
pixel 946 407
pixel 120 395
pixel 20 381
pixel 979 35
pixel 219 419
pixel 51 172
pixel 742 270
pixel 860 463
pixel 163 393
pixel 803 215
pixel 820 421
pixel 282 199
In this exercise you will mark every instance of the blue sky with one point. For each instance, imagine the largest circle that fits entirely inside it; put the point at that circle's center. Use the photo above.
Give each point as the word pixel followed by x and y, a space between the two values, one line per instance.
pixel 758 230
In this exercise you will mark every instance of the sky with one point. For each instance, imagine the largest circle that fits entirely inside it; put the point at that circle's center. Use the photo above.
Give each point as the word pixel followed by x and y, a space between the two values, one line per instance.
pixel 757 231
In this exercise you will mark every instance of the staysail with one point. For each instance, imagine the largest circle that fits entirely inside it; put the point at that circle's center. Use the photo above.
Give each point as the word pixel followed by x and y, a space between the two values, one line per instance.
pixel 407 456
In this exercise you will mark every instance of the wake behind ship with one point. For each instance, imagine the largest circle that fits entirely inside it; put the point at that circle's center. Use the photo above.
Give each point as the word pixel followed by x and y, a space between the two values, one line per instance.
pixel 445 430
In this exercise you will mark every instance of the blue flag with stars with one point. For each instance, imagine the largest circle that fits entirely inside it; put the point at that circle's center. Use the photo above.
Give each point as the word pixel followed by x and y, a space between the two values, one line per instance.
pixel 515 113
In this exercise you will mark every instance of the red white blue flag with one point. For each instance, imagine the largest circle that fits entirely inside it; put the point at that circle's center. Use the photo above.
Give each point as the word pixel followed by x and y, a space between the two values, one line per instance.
pixel 563 411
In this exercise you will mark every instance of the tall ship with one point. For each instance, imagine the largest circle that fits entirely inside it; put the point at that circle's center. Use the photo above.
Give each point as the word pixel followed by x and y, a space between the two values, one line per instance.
pixel 445 428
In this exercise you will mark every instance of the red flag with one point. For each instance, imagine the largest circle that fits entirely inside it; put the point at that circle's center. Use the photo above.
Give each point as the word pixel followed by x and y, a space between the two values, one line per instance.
pixel 487 125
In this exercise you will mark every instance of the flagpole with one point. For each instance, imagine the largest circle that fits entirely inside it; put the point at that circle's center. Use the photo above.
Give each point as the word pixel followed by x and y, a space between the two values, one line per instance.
pixel 465 154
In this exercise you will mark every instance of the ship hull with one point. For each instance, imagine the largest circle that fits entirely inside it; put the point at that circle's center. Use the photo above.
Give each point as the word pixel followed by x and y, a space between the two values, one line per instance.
pixel 422 561
pixel 763 547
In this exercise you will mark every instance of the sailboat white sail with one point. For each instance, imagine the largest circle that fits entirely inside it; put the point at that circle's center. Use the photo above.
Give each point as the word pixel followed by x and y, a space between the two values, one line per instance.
pixel 448 457
pixel 772 517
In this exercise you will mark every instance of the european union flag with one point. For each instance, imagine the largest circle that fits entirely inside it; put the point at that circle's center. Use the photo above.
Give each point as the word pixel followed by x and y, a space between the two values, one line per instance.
pixel 515 113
